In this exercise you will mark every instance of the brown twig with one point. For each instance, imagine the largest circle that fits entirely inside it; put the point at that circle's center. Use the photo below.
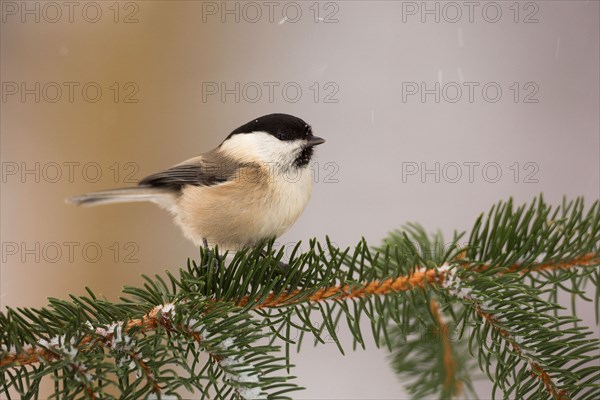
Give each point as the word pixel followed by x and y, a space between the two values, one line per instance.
pixel 550 386
pixel 585 260
pixel 400 284
pixel 448 355
pixel 147 371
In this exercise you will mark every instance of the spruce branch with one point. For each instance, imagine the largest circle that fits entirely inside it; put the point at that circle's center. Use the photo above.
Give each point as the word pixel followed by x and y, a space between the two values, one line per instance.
pixel 518 338
pixel 419 279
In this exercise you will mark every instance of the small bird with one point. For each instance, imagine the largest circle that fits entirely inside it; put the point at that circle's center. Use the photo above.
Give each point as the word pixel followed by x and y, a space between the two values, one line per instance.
pixel 251 188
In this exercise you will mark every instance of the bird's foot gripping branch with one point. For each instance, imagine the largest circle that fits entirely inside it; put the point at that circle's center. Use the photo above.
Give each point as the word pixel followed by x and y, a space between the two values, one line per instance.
pixel 444 310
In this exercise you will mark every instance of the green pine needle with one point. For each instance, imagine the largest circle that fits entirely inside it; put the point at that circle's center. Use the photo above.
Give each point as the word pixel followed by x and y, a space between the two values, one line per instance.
pixel 442 309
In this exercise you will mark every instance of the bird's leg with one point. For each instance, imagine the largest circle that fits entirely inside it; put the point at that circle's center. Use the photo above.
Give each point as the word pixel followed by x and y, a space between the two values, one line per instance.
pixel 282 266
pixel 216 259
pixel 284 269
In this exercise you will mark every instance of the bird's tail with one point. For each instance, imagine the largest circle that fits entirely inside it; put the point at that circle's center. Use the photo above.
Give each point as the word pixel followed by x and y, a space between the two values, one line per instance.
pixel 123 195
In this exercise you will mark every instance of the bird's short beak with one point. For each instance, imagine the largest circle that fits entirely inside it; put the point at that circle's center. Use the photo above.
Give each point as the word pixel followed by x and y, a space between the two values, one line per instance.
pixel 315 141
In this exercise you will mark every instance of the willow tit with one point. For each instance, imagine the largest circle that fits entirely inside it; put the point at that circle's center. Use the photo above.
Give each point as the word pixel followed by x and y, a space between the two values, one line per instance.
pixel 251 188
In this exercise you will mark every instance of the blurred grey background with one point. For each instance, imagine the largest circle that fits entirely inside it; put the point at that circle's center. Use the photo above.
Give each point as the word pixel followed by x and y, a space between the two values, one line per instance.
pixel 432 112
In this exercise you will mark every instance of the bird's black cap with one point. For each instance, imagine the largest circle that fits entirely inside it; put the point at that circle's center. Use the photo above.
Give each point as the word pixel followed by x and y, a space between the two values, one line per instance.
pixel 282 126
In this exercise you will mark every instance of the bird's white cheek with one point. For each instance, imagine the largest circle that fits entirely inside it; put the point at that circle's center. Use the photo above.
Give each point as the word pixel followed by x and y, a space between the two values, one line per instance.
pixel 261 147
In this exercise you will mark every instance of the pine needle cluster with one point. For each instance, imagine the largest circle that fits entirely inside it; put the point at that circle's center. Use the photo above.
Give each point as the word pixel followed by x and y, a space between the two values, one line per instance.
pixel 446 311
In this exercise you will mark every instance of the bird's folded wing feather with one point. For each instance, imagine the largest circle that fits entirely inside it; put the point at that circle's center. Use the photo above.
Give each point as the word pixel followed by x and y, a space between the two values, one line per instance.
pixel 206 170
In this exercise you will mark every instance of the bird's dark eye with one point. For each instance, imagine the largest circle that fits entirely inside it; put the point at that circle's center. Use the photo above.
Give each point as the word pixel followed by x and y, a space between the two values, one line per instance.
pixel 280 135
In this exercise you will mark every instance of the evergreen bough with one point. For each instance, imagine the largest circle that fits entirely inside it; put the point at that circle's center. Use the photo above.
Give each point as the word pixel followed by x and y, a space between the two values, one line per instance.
pixel 443 310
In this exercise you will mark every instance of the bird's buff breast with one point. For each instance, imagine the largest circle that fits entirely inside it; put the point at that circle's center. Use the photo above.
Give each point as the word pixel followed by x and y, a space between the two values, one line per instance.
pixel 257 205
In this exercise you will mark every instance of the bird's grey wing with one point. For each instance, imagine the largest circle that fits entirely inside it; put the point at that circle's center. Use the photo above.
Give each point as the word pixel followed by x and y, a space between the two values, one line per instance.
pixel 207 170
